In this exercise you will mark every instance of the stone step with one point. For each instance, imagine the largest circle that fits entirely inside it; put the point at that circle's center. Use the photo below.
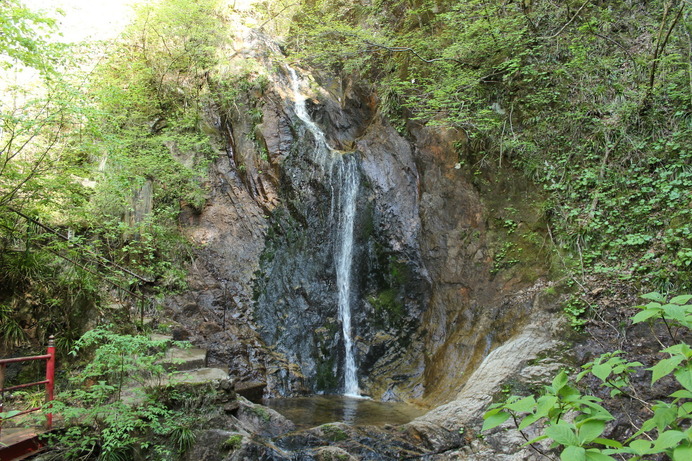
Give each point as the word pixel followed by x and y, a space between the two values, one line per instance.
pixel 201 375
pixel 161 337
pixel 136 395
pixel 179 359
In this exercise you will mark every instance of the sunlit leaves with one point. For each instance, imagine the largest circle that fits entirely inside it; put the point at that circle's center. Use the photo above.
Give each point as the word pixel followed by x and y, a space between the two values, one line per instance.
pixel 23 35
pixel 576 421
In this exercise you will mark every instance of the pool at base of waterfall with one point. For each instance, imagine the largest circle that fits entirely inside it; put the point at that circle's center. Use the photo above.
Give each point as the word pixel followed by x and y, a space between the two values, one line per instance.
pixel 306 412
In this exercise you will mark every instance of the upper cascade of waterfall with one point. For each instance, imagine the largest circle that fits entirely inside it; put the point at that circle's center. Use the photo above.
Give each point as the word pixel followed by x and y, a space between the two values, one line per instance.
pixel 324 151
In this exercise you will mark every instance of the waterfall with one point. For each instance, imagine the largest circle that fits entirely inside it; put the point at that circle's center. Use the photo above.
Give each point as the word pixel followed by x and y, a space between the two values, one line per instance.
pixel 348 178
pixel 345 169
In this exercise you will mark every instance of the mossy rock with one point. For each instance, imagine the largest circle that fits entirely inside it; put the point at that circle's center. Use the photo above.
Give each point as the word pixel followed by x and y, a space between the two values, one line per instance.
pixel 334 433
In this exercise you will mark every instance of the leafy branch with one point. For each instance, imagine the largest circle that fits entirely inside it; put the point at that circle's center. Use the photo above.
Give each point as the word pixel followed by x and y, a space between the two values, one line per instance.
pixel 580 437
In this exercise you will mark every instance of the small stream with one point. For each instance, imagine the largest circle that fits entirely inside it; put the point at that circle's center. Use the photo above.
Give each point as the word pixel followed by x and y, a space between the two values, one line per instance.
pixel 307 412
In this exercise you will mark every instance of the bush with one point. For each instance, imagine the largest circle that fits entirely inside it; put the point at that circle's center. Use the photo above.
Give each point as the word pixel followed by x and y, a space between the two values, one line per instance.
pixel 575 421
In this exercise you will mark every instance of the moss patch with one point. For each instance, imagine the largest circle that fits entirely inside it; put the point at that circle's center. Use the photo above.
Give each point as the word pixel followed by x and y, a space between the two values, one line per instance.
pixel 389 310
pixel 334 433
pixel 233 442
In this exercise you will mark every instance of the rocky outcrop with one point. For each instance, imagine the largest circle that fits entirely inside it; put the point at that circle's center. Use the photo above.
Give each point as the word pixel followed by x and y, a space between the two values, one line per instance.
pixel 450 251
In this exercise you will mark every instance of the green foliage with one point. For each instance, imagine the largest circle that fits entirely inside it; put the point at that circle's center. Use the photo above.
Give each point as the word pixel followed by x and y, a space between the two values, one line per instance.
pixel 12 333
pixel 334 433
pixel 569 93
pixel 389 310
pixel 261 412
pixel 23 37
pixel 576 309
pixel 100 421
pixel 41 292
pixel 233 442
pixel 575 422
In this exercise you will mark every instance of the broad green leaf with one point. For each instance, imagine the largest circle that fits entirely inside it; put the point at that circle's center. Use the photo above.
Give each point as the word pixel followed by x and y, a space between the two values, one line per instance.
pixel 680 349
pixel 608 442
pixel 527 421
pixel 640 447
pixel 560 380
pixel 664 414
pixel 494 419
pixel 9 414
pixel 602 371
pixel 573 453
pixel 684 377
pixel 544 404
pixel 654 296
pixel 668 439
pixel 540 437
pixel 590 430
pixel 645 315
pixel 682 453
pixel 592 454
pixel 682 299
pixel 664 367
pixel 562 433
pixel 682 394
pixel 675 312
pixel 685 411
pixel 524 405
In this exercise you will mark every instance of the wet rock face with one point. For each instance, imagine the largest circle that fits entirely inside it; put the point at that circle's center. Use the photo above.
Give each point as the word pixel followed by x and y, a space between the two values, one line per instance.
pixel 296 289
pixel 440 249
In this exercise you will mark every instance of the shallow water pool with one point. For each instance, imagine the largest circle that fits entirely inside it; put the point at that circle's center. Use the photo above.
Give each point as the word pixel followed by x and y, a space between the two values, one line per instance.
pixel 315 410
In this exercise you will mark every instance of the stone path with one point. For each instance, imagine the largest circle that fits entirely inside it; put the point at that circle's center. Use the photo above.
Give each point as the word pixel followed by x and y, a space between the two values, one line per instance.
pixel 185 366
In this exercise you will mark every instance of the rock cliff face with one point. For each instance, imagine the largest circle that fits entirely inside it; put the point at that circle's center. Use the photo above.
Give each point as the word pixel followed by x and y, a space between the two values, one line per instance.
pixel 448 255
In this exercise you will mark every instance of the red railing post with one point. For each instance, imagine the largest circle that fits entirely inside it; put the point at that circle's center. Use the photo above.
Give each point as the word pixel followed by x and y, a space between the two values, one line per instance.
pixel 50 378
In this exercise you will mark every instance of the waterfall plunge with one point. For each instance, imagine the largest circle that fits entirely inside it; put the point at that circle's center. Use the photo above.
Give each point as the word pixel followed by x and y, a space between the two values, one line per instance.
pixel 346 169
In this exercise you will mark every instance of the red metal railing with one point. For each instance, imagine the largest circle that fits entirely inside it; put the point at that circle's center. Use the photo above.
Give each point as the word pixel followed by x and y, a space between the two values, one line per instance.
pixel 49 382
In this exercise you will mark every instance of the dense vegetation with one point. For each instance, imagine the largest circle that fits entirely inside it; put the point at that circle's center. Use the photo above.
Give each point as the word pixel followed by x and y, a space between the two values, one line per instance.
pixel 591 99
pixel 574 419
pixel 94 168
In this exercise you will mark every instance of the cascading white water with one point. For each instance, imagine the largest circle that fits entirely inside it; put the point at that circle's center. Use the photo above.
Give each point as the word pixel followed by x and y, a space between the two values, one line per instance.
pixel 348 179
pixel 346 169
pixel 323 155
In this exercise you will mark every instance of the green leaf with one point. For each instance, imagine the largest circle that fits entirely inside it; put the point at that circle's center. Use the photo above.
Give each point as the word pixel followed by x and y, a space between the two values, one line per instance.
pixel 680 300
pixel 654 296
pixel 560 380
pixel 602 371
pixel 590 429
pixel 527 421
pixel 534 440
pixel 684 377
pixel 524 405
pixel 544 404
pixel 562 433
pixel 9 414
pixel 573 453
pixel 608 442
pixel 668 439
pixel 682 453
pixel 593 454
pixel 664 367
pixel 645 315
pixel 640 447
pixel 664 415
pixel 685 411
pixel 675 312
pixel 682 394
pixel 494 418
